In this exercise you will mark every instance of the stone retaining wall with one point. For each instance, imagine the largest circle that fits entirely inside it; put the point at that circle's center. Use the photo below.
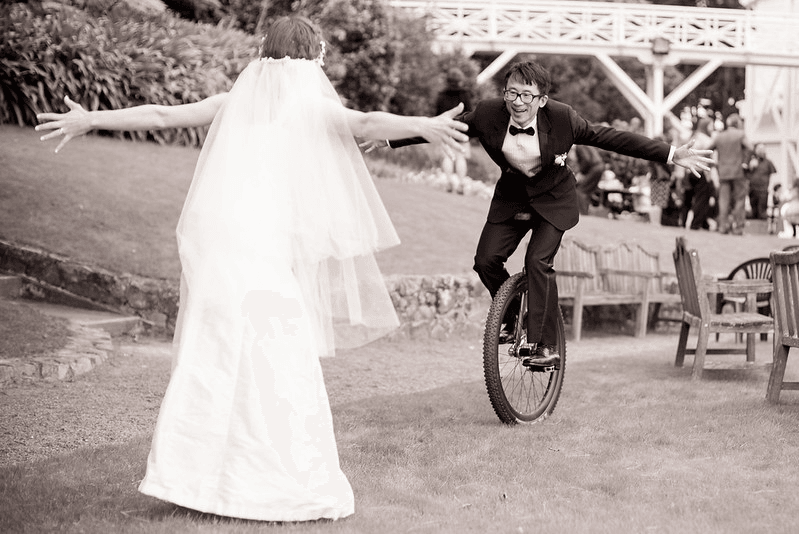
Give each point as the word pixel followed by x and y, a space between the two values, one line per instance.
pixel 437 305
pixel 56 278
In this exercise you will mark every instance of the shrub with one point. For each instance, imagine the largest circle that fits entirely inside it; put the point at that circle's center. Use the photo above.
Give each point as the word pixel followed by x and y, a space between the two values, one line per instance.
pixel 379 58
pixel 113 61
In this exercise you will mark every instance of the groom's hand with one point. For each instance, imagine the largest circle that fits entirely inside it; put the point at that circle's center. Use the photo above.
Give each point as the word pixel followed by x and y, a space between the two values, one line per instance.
pixel 691 159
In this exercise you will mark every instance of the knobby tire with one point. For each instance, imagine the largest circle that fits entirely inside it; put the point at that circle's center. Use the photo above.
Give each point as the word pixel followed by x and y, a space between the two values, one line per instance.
pixel 518 394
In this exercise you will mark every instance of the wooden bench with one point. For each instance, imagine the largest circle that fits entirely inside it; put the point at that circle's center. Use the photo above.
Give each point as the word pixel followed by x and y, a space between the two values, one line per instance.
pixel 632 269
pixel 617 274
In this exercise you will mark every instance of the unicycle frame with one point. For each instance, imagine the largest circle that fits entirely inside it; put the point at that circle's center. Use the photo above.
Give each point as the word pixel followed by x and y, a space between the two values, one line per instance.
pixel 518 393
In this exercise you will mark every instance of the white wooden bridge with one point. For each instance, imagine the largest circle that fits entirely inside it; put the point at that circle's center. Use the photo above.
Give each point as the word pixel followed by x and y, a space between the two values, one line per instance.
pixel 764 40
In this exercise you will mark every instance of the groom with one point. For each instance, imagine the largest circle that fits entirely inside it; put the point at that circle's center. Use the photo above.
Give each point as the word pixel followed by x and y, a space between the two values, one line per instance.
pixel 529 136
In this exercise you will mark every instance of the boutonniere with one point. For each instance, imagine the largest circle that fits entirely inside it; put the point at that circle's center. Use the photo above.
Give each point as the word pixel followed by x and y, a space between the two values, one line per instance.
pixel 560 159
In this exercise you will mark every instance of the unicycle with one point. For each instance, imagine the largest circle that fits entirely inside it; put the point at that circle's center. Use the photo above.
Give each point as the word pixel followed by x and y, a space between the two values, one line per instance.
pixel 519 393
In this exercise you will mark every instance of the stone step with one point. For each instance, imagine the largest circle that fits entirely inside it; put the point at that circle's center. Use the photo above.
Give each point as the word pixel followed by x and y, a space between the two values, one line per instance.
pixel 77 312
pixel 112 323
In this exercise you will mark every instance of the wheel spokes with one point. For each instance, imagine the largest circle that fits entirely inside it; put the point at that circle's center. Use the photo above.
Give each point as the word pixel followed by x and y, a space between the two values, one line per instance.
pixel 518 393
pixel 524 388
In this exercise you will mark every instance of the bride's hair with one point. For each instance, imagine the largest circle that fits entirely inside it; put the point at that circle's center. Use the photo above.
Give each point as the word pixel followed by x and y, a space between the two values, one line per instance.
pixel 295 37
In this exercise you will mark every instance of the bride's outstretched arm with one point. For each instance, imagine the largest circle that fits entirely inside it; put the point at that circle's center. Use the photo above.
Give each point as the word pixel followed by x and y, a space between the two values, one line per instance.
pixel 78 121
pixel 443 129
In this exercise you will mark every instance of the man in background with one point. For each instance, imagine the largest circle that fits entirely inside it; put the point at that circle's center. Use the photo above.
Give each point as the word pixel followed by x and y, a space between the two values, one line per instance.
pixel 453 94
pixel 731 147
pixel 760 169
pixel 589 166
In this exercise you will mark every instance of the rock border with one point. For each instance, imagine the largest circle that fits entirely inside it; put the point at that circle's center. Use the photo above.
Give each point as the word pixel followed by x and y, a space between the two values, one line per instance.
pixel 437 305
pixel 86 348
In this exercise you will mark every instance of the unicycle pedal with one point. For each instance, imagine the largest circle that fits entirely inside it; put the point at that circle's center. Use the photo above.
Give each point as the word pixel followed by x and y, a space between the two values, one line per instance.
pixel 538 367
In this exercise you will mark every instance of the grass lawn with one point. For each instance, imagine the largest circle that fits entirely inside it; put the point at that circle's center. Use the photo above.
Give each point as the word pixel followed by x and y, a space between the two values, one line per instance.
pixel 115 204
pixel 26 332
pixel 634 445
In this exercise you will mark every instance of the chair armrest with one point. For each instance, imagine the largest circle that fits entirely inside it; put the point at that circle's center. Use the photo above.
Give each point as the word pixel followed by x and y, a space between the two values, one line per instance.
pixel 739 287
pixel 622 272
pixel 575 274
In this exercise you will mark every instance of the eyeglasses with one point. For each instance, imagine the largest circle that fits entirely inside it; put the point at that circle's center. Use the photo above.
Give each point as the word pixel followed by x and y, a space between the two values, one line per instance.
pixel 511 94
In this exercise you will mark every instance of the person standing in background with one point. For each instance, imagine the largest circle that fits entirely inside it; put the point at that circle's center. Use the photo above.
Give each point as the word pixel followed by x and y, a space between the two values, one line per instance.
pixel 760 169
pixel 589 166
pixel 789 212
pixel 699 190
pixel 660 180
pixel 731 146
pixel 774 208
pixel 453 94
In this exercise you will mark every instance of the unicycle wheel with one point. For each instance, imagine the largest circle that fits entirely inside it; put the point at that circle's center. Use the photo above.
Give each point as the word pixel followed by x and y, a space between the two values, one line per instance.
pixel 518 393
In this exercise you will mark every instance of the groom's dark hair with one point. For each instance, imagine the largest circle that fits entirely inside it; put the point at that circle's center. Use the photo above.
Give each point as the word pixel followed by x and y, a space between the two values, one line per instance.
pixel 530 72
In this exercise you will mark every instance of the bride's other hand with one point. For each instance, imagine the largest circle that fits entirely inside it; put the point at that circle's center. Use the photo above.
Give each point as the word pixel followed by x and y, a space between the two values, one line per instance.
pixel 71 124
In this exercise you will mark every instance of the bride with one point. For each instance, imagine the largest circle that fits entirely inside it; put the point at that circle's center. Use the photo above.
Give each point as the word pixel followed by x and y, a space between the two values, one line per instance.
pixel 276 240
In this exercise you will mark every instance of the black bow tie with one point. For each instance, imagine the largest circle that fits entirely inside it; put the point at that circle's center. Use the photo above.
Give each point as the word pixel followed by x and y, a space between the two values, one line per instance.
pixel 515 131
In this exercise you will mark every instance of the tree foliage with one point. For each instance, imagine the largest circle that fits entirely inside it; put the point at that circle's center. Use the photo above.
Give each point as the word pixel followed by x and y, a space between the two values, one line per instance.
pixel 379 57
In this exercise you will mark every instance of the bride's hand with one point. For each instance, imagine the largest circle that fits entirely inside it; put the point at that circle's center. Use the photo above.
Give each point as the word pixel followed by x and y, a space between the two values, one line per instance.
pixel 444 130
pixel 72 124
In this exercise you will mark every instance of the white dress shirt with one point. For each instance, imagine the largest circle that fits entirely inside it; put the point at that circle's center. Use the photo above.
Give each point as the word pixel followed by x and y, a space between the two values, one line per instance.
pixel 523 151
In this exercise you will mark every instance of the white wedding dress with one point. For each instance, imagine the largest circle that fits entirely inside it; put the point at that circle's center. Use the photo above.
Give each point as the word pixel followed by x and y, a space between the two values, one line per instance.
pixel 276 241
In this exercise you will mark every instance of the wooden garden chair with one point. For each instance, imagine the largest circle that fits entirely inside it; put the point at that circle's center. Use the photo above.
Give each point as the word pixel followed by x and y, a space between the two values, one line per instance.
pixel 785 306
pixel 758 268
pixel 695 293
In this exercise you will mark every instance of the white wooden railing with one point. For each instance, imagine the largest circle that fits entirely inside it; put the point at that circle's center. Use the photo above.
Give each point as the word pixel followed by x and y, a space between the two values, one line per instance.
pixel 734 36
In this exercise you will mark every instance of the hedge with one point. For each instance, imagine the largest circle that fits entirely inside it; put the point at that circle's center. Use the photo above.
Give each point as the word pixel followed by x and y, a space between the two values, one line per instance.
pixel 119 59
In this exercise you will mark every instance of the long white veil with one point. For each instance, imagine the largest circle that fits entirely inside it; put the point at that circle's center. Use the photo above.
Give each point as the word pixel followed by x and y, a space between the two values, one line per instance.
pixel 280 182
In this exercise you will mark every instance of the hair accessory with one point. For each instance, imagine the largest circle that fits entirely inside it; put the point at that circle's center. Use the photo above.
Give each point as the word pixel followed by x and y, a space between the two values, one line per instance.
pixel 320 59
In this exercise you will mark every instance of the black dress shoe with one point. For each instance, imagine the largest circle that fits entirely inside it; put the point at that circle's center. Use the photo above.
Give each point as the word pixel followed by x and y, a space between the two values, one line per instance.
pixel 543 356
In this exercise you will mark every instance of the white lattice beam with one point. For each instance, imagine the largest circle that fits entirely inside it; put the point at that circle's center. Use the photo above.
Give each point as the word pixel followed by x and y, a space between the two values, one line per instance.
pixel 697 35
pixel 706 37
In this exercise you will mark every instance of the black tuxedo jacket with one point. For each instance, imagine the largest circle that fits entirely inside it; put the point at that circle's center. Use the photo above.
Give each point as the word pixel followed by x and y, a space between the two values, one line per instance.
pixel 552 191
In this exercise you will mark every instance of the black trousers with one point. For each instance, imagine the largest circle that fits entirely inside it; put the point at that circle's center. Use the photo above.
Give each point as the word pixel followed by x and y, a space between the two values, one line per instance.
pixel 703 191
pixel 497 242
